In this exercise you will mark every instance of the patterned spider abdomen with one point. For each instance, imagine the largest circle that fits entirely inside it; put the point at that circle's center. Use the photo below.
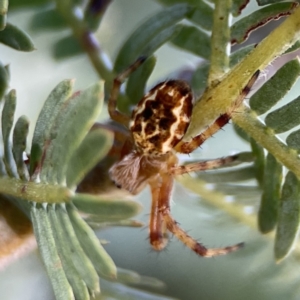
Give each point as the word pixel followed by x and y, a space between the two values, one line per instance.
pixel 162 117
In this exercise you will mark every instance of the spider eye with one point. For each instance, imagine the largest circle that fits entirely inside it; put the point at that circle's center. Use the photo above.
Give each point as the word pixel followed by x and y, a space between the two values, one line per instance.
pixel 162 117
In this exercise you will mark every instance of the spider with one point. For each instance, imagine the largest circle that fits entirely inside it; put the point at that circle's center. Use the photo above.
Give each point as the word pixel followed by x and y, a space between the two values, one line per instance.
pixel 157 125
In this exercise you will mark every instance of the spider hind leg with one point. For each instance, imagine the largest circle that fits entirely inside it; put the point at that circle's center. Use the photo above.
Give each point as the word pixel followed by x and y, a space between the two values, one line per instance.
pixel 174 228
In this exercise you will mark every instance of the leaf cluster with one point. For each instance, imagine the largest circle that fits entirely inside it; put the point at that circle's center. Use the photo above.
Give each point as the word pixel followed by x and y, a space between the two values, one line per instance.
pixel 65 147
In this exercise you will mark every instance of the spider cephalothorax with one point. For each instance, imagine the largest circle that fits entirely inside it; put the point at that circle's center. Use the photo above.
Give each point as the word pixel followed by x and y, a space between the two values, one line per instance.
pixel 157 125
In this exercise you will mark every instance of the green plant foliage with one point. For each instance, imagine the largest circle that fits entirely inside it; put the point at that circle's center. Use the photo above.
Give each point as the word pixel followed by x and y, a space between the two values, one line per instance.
pixel 194 40
pixel 48 19
pixel 66 47
pixel 202 14
pixel 19 146
pixel 63 237
pixel 16 38
pixel 266 2
pixel 136 84
pixel 93 148
pixel 238 6
pixel 65 145
pixel 288 217
pixel 267 216
pixel 265 98
pixel 241 29
pixel 153 33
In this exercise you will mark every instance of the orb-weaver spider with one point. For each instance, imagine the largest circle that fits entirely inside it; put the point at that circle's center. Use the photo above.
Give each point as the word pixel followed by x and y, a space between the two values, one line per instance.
pixel 157 125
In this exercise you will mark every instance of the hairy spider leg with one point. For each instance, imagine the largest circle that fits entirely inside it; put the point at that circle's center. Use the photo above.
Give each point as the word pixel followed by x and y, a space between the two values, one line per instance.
pixel 157 227
pixel 112 101
pixel 173 227
pixel 188 147
pixel 204 165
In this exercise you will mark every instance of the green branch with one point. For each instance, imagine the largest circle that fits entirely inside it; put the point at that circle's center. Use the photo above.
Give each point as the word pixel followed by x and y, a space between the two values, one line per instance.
pixel 220 41
pixel 86 39
pixel 247 120
pixel 216 101
pixel 34 192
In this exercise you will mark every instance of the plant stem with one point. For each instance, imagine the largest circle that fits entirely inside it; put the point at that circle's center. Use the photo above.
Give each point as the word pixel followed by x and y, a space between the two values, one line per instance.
pixel 215 101
pixel 247 120
pixel 220 41
pixel 34 192
pixel 86 39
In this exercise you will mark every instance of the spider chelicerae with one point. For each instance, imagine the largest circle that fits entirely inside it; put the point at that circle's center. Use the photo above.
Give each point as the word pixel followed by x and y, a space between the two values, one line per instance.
pixel 157 126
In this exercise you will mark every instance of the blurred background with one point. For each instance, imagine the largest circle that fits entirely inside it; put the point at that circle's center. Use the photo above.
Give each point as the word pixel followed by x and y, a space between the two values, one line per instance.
pixel 250 273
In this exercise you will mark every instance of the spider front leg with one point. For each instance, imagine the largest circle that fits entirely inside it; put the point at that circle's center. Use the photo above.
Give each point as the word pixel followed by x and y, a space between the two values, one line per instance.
pixel 112 101
pixel 173 227
pixel 188 147
pixel 204 165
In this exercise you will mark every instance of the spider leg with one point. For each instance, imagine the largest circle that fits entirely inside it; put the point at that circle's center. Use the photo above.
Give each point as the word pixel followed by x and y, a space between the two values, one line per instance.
pixel 173 227
pixel 221 121
pixel 204 165
pixel 158 235
pixel 112 101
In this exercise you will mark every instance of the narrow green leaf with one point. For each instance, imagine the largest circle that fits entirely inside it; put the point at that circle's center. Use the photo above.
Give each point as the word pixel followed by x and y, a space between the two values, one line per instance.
pixel 7 120
pixel 276 88
pixel 293 140
pixel 81 262
pixel 284 118
pixel 268 210
pixel 65 253
pixel 295 47
pixel 161 38
pixel 48 19
pixel 192 39
pixel 4 80
pixel 146 32
pixel 199 78
pixel 240 30
pixel 93 148
pixel 288 217
pixel 102 262
pixel 107 209
pixel 241 133
pixel 202 14
pixel 259 161
pixel 44 236
pixel 26 3
pixel 66 47
pixel 137 82
pixel 75 122
pixel 267 2
pixel 19 146
pixel 238 6
pixel 46 123
pixel 14 37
